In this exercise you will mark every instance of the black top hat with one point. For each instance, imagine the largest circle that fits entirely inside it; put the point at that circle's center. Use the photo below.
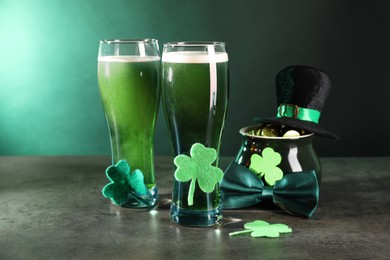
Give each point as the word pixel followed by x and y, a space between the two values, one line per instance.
pixel 301 93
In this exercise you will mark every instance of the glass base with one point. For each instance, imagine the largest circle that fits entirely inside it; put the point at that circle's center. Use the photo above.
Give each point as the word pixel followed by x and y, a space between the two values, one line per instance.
pixel 146 201
pixel 196 218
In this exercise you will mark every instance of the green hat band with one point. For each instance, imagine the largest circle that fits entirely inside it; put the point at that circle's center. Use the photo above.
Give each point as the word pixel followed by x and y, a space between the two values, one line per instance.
pixel 306 114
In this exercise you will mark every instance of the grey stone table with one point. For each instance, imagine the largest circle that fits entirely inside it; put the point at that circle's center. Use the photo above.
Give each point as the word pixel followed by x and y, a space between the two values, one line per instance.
pixel 52 208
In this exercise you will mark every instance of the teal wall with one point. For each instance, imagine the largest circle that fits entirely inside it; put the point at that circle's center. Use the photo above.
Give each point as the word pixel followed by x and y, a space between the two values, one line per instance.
pixel 49 99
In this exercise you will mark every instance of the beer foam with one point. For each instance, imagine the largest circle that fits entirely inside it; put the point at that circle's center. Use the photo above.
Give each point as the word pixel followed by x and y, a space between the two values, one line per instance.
pixel 128 58
pixel 194 57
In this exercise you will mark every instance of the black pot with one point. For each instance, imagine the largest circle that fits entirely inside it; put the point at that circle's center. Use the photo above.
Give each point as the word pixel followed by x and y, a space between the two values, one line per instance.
pixel 297 152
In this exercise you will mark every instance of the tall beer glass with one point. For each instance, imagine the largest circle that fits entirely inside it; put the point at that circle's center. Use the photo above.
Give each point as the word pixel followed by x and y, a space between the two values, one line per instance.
pixel 195 83
pixel 128 76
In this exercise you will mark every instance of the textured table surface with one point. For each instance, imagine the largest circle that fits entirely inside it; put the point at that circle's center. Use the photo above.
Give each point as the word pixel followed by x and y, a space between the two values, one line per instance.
pixel 52 207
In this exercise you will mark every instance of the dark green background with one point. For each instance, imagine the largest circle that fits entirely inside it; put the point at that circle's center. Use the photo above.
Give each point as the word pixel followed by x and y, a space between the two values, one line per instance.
pixel 49 99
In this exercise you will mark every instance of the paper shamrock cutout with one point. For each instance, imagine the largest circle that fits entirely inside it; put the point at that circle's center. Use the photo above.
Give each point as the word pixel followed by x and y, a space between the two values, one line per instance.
pixel 123 183
pixel 260 228
pixel 267 165
pixel 198 168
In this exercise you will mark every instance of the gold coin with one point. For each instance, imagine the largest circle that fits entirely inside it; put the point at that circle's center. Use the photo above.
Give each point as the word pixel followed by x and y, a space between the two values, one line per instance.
pixel 270 131
pixel 291 133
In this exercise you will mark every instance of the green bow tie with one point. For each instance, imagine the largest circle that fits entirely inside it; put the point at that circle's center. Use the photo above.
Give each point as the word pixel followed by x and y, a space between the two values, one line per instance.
pixel 296 193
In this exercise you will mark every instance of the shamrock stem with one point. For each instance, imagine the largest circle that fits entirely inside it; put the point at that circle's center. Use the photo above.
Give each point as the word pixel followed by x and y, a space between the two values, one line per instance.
pixel 240 232
pixel 191 192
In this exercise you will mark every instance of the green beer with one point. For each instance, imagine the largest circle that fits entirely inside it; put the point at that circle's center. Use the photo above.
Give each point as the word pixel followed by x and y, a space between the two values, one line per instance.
pixel 195 98
pixel 129 89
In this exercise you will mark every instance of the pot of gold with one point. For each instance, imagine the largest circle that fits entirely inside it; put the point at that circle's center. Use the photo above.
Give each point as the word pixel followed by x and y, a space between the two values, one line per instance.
pixel 294 146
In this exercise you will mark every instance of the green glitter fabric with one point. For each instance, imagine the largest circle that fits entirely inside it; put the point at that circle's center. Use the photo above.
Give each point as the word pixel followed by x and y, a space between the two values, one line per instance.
pixel 260 228
pixel 123 183
pixel 198 168
pixel 266 165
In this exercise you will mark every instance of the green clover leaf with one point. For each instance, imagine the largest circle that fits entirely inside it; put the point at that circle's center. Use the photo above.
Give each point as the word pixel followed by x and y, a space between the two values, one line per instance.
pixel 260 228
pixel 266 165
pixel 198 168
pixel 123 183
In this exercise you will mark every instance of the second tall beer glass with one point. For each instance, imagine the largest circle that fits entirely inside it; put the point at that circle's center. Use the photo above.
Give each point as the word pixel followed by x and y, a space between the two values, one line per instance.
pixel 195 83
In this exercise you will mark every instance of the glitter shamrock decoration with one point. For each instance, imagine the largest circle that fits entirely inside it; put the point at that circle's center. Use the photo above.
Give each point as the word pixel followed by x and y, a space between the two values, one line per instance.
pixel 198 168
pixel 124 183
pixel 266 165
pixel 260 228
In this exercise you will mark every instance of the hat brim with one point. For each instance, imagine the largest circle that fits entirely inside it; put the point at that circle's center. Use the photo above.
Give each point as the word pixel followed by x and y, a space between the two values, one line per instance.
pixel 300 124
